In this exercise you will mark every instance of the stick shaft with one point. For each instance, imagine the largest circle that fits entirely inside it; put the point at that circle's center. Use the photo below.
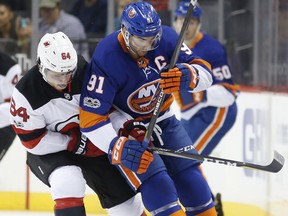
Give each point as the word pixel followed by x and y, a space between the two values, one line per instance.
pixel 275 166
pixel 173 61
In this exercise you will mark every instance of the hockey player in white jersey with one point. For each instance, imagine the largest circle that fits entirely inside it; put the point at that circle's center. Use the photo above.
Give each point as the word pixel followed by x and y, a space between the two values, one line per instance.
pixel 44 114
pixel 10 73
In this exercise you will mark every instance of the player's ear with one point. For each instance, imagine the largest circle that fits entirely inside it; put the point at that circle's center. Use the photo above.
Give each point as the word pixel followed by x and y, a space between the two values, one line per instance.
pixel 123 29
pixel 38 61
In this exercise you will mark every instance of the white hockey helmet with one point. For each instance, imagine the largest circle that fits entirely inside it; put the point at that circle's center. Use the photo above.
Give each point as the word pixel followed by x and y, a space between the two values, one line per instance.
pixel 56 53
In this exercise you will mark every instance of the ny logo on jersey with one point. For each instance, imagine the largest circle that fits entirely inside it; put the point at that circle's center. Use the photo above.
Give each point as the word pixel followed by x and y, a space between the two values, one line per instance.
pixel 144 99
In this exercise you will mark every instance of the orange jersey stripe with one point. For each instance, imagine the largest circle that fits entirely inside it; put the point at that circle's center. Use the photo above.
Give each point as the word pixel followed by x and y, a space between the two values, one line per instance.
pixel 88 119
pixel 197 39
pixel 201 62
pixel 216 124
pixel 122 42
pixel 142 100
pixel 131 177
pixel 233 88
pixel 195 100
pixel 164 108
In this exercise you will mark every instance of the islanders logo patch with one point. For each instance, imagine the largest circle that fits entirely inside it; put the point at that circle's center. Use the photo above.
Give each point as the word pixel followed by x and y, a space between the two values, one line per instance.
pixel 144 99
pixel 132 13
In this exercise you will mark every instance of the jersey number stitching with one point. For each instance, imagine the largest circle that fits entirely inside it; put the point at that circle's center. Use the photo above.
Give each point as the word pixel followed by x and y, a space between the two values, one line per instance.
pixel 96 84
pixel 21 111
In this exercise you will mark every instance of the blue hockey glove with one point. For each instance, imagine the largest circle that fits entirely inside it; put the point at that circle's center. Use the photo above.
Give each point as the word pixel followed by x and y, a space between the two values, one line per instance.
pixel 129 153
pixel 182 77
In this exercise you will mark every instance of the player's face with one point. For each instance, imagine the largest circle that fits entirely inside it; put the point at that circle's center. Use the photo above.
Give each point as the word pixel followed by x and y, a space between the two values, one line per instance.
pixel 192 28
pixel 59 80
pixel 141 45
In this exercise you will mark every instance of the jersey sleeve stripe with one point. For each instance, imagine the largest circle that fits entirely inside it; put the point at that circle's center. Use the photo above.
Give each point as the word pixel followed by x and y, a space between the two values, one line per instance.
pixel 235 89
pixel 179 101
pixel 30 138
pixel 211 130
pixel 131 177
pixel 201 62
pixel 88 119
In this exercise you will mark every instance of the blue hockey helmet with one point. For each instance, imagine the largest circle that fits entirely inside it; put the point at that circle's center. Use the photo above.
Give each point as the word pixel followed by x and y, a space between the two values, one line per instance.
pixel 141 19
pixel 182 9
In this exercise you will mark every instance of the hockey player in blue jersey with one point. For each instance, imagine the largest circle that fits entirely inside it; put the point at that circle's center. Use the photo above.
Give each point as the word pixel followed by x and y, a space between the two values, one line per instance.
pixel 207 115
pixel 213 110
pixel 125 73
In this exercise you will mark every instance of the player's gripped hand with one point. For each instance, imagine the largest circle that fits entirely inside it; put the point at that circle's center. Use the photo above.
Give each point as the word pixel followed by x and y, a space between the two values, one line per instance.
pixel 79 144
pixel 129 153
pixel 182 77
pixel 134 130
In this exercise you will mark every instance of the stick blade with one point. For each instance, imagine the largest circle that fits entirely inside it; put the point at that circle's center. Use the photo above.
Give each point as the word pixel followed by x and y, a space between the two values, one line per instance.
pixel 277 163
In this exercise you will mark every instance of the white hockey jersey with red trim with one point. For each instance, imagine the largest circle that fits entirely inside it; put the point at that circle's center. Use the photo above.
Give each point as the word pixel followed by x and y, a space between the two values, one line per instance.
pixel 39 112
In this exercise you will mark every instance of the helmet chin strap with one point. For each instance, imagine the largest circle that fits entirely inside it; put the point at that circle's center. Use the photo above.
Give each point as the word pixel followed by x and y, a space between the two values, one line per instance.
pixel 41 69
pixel 126 36
pixel 197 29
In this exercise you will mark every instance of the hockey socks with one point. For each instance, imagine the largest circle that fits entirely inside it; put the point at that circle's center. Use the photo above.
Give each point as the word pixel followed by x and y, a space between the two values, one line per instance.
pixel 194 192
pixel 160 196
pixel 69 207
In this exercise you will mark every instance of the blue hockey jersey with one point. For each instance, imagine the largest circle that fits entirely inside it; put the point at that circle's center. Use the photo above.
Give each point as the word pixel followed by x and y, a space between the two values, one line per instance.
pixel 114 78
pixel 213 52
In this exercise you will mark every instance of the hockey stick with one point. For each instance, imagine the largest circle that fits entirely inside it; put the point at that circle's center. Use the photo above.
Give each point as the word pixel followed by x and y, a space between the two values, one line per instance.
pixel 173 61
pixel 274 167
